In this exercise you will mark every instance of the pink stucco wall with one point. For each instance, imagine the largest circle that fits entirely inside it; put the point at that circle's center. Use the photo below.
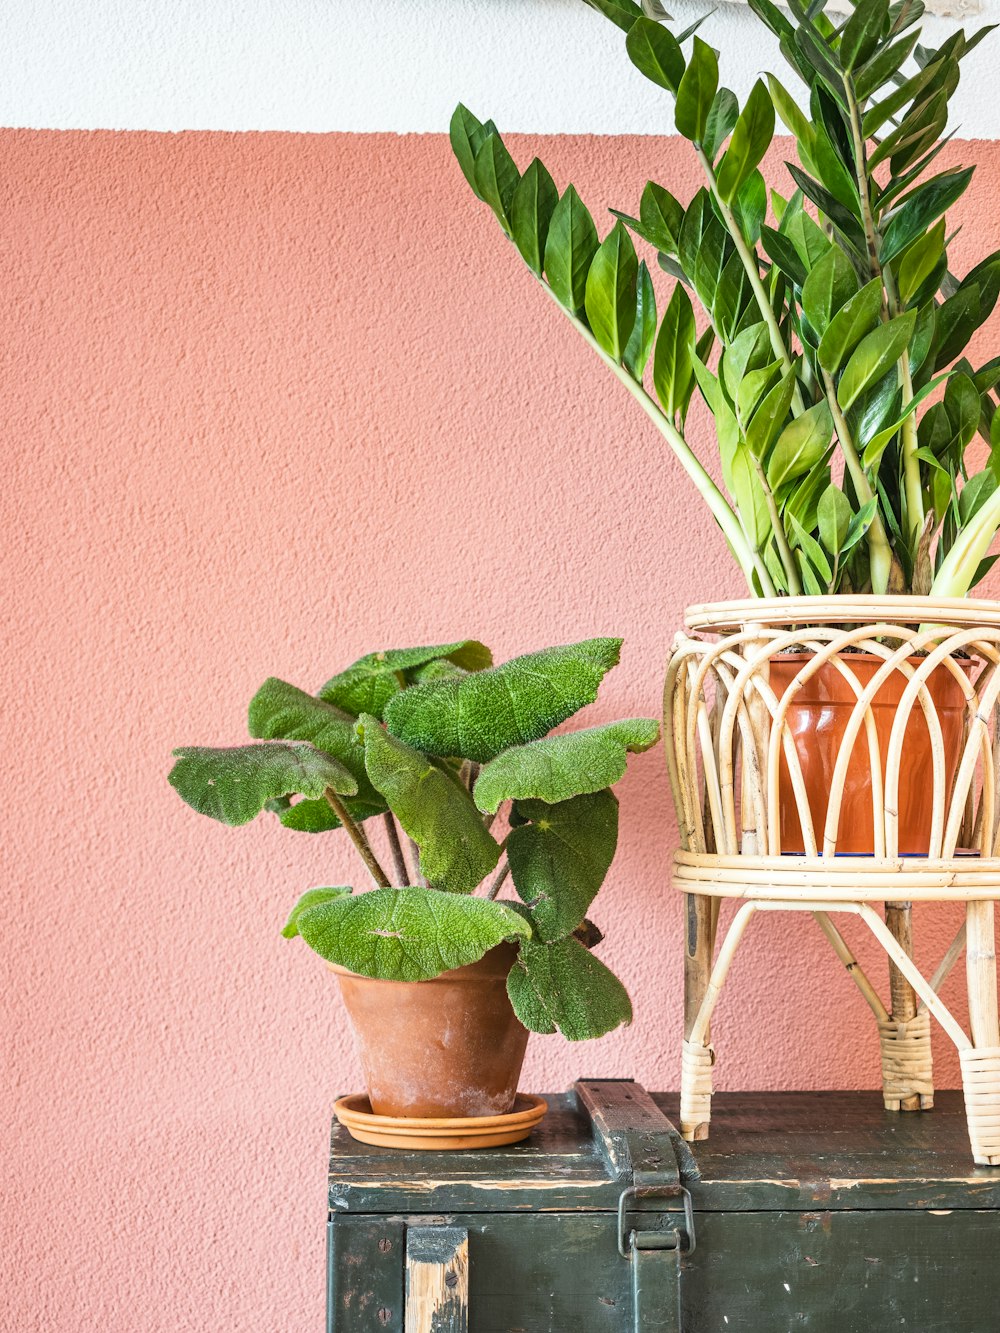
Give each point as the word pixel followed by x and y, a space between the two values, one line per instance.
pixel 272 401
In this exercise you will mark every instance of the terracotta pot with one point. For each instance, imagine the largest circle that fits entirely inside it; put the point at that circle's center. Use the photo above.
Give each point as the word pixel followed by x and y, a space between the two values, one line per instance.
pixel 818 718
pixel 447 1047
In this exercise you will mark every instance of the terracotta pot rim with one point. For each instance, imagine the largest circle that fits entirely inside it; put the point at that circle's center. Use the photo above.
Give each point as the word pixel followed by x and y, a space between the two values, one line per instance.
pixel 965 660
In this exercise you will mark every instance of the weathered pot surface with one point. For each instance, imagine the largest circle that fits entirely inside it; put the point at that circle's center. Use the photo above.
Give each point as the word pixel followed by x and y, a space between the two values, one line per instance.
pixel 451 1046
pixel 818 717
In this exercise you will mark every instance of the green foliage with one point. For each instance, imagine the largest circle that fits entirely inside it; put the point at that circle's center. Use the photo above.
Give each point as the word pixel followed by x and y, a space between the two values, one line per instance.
pixel 418 767
pixel 311 898
pixel 456 851
pixel 368 684
pixel 834 316
pixel 563 986
pixel 558 767
pixel 234 785
pixel 408 934
pixel 559 857
pixel 482 714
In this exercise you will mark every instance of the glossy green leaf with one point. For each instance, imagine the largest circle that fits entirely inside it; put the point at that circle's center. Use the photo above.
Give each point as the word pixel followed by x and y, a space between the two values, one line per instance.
pixel 815 555
pixel 749 495
pixel 408 934
pixel 558 767
pixel 914 214
pixel 560 856
pixel 562 985
pixel 672 358
pixel 610 297
pixel 655 52
pixel 368 684
pixel 858 318
pixel 780 250
pixel 496 178
pixel 802 443
pixel 311 898
pixel 749 351
pixel 696 92
pixel 662 217
pixel 750 207
pixel 722 116
pixel 751 138
pixel 828 288
pixel 640 342
pixel 882 66
pixel 512 704
pixel 233 785
pixel 623 13
pixel 531 210
pixel 569 248
pixel 834 514
pixel 862 31
pixel 456 851
pixel 793 117
pixel 753 388
pixel 919 261
pixel 956 320
pixel 768 420
pixel 467 135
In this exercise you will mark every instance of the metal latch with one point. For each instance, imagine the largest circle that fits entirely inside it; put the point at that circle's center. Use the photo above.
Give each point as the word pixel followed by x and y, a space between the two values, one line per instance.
pixel 681 1239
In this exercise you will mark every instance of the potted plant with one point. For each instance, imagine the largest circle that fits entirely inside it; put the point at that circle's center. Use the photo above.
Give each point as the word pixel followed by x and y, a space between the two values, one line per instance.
pixel 857 442
pixel 450 759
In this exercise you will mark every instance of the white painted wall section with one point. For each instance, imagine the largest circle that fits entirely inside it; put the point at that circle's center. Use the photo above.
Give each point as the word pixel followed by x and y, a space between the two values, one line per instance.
pixel 541 66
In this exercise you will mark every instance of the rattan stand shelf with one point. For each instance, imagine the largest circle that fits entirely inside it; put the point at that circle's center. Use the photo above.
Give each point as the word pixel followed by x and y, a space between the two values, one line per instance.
pixel 732 759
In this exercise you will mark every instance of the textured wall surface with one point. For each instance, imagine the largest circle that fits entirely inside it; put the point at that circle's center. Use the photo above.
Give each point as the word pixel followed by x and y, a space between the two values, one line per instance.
pixel 272 401
pixel 400 65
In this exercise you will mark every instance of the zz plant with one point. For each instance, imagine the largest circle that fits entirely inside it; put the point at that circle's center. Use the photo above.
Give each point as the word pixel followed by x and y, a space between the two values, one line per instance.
pixel 434 744
pixel 833 332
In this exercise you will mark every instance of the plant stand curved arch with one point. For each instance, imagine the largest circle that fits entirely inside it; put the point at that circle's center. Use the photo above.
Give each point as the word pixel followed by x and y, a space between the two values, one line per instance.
pixel 731 756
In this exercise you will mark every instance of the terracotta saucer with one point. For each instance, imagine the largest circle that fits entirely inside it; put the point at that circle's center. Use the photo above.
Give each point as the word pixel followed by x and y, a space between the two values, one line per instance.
pixel 485 1131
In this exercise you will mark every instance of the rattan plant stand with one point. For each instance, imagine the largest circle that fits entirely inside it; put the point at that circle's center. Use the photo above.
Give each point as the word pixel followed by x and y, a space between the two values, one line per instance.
pixel 732 758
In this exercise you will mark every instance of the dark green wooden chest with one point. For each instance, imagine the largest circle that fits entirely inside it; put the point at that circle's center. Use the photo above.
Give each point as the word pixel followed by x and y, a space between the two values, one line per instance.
pixel 815 1211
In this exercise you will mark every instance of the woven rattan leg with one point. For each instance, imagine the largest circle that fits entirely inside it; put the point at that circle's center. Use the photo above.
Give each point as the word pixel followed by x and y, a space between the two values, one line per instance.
pixel 696 1058
pixel 981 1064
pixel 905 1039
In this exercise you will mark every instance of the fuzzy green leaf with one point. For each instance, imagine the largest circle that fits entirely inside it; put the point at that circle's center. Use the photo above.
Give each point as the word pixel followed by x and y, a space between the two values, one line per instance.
pixel 407 934
pixel 569 248
pixel 611 292
pixel 874 355
pixel 234 785
pixel 558 767
pixel 531 210
pixel 368 684
pixel 456 851
pixel 311 898
pixel 562 985
pixel 282 712
pixel 559 858
pixel 520 701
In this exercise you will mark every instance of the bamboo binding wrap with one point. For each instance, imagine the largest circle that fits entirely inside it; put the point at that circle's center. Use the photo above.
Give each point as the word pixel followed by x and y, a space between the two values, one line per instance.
pixel 728 741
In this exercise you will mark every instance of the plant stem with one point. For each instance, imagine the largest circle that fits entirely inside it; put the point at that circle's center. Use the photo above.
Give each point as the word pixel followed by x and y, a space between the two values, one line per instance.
pixel 710 493
pixel 749 260
pixel 912 488
pixel 781 540
pixel 357 836
pixel 396 849
pixel 958 569
pixel 879 550
pixel 498 880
